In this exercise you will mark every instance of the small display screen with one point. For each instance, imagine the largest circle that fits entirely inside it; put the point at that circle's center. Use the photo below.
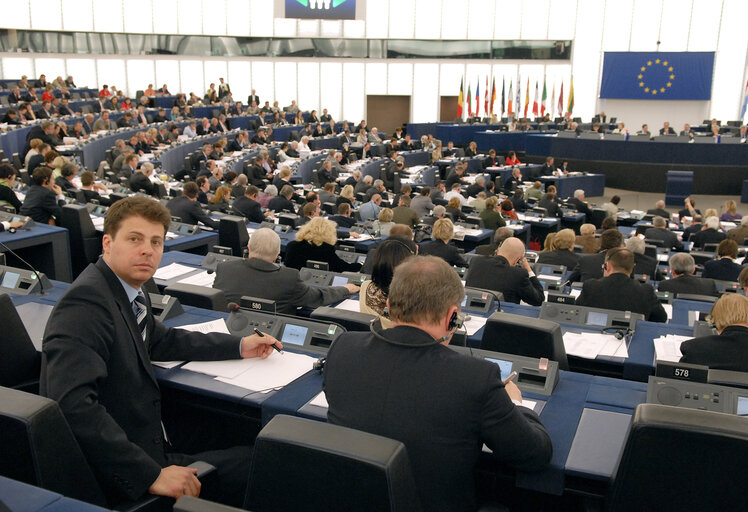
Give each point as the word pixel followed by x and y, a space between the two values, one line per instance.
pixel 339 281
pixel 546 270
pixel 464 301
pixel 505 367
pixel 294 334
pixel 16 219
pixel 10 280
pixel 184 229
pixel 595 318
pixel 742 406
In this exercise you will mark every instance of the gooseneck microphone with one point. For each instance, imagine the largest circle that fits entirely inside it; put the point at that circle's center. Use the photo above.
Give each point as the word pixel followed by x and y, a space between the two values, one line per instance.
pixel 42 291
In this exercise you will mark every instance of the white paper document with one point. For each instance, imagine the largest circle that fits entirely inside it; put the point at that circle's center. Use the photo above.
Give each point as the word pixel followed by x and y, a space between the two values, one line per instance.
pixel 98 223
pixel 474 324
pixel 319 400
pixel 167 364
pixel 222 369
pixel 171 271
pixel 349 305
pixel 274 372
pixel 217 325
pixel 590 345
pixel 549 277
pixel 667 348
pixel 200 279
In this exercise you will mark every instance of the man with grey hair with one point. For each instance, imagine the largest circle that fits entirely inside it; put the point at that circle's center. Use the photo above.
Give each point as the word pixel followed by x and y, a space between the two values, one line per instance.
pixel 659 209
pixel 643 264
pixel 478 186
pixel 439 212
pixel 682 267
pixel 260 276
pixel 363 184
pixel 739 233
pixel 661 232
pixel 709 234
pixel 461 401
pixel 577 202
pixel 370 209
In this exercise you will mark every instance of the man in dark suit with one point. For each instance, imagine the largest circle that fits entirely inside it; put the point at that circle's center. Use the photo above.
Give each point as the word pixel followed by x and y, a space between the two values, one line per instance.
pixel 455 176
pixel 460 401
pixel 577 202
pixel 43 131
pixel 502 274
pixel 141 180
pixel 283 201
pixel 709 234
pixel 44 200
pixel 499 236
pixel 187 208
pixel 590 265
pixel 729 349
pixel 548 168
pixel 253 98
pixel 661 232
pixel 343 217
pixel 643 264
pixel 259 276
pixel 15 96
pixel 98 346
pixel 248 207
pixel 690 209
pixel 616 290
pixel 724 268
pixel 682 267
pixel 694 228
pixel 659 209
pixel 492 160
pixel 550 203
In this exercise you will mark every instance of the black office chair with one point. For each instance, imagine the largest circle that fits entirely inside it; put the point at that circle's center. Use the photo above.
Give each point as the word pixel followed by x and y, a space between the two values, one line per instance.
pixel 40 449
pixel 701 257
pixel 232 232
pixel 655 242
pixel 20 363
pixel 333 469
pixel 351 320
pixel 668 446
pixel 197 296
pixel 694 296
pixel 85 243
pixel 710 247
pixel 515 334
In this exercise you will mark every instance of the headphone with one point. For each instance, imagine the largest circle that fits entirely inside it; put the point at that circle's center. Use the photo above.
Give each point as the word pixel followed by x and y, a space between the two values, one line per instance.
pixel 456 321
pixel 617 332
pixel 399 242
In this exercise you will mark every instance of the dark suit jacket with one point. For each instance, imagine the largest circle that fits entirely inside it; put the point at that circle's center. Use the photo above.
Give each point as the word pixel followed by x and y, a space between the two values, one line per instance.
pixel 689 284
pixel 559 257
pixel 692 230
pixel 656 211
pixel 495 273
pixel 41 204
pixel 98 368
pixel 92 194
pixel 258 278
pixel 343 221
pixel 248 208
pixel 280 203
pixel 447 252
pixel 707 236
pixel 722 269
pixel 579 206
pixel 590 266
pixel 620 292
pixel 487 249
pixel 669 239
pixel 190 212
pixel 140 181
pixel 554 210
pixel 299 252
pixel 546 170
pixel 453 404
pixel 728 351
pixel 647 265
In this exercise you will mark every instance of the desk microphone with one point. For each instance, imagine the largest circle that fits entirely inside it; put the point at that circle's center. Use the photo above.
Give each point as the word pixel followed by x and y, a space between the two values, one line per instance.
pixel 232 306
pixel 42 291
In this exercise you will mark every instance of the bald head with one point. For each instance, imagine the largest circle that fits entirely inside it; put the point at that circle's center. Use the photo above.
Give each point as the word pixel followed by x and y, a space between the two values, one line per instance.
pixel 512 249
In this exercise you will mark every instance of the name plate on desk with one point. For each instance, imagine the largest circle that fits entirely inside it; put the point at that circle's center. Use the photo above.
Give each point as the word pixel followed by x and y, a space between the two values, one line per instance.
pixel 682 371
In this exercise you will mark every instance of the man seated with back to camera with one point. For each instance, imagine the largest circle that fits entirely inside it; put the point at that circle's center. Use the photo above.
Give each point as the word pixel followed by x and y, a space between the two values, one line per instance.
pixel 98 346
pixel 682 268
pixel 662 233
pixel 261 277
pixel 460 401
pixel 724 267
pixel 616 290
pixel 590 266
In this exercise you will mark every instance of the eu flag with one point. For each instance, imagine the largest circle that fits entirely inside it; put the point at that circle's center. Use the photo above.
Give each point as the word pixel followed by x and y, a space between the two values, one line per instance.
pixel 657 75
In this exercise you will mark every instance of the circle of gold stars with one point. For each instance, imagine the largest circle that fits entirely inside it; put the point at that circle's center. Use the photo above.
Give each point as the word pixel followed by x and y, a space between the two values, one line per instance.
pixel 654 90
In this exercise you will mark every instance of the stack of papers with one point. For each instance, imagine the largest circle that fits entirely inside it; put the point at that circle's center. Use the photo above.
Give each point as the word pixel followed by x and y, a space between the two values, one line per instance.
pixel 349 305
pixel 171 271
pixel 667 347
pixel 590 345
pixel 474 324
pixel 200 279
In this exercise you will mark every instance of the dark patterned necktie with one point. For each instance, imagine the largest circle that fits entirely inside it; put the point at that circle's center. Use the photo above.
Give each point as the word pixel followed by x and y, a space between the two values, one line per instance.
pixel 141 315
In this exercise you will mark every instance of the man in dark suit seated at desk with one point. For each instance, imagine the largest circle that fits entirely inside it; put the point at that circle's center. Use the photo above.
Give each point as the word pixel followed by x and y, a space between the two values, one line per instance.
pixel 141 180
pixel 724 268
pixel 44 199
pixel 343 217
pixel 682 267
pixel 643 264
pixel 98 346
pixel 550 203
pixel 283 201
pixel 188 209
pixel 578 203
pixel 461 402
pixel 501 273
pixel 616 290
pixel 548 168
pixel 729 349
pixel 667 129
pixel 659 209
pixel 694 228
pixel 248 207
pixel 456 175
pixel 499 236
pixel 709 234
pixel 661 232
pixel 259 276
pixel 590 265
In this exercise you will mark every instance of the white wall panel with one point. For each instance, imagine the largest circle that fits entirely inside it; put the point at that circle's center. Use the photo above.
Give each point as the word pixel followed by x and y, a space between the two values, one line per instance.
pixel 237 18
pixel 617 28
pixel 107 16
pixel 450 75
pixel 167 72
pixel 508 19
pixel 476 75
pixel 15 67
pixel 354 28
pixel 562 19
pixel 305 28
pixel 331 90
pixel 676 18
pixel 261 18
pixel 18 17
pixel 112 72
pixel 331 28
pixel 83 72
pixel 704 26
pixel 140 73
pixel 240 79
pixel 428 19
pixel 191 77
pixel 284 27
pixel 214 69
pixel 402 18
pixel 45 14
pixel 400 78
pixel 482 24
pixel 645 27
pixel 425 100
pixel 50 66
pixel 77 15
pixel 285 83
pixel 164 17
pixel 456 15
pixel 377 19
pixel 214 17
pixel 535 19
pixel 729 82
pixel 586 58
pixel 189 18
pixel 263 80
pixel 309 86
pixel 138 16
pixel 353 94
pixel 376 78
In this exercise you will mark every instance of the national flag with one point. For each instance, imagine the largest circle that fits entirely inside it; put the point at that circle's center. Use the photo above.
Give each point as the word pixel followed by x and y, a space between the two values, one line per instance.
pixel 459 102
pixel 527 97
pixel 544 99
pixel 510 109
pixel 570 108
pixel 518 98
pixel 485 101
pixel 535 101
pixel 745 102
pixel 503 104
pixel 561 100
pixel 553 100
pixel 469 102
pixel 477 98
pixel 493 93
